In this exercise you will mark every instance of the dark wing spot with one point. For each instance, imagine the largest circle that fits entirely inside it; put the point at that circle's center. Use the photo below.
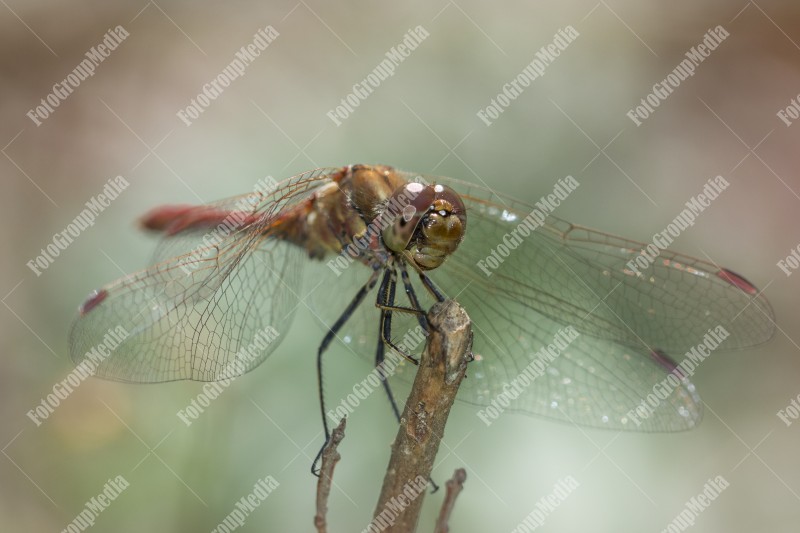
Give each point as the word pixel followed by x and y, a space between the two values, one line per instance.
pixel 738 281
pixel 93 300
pixel 667 362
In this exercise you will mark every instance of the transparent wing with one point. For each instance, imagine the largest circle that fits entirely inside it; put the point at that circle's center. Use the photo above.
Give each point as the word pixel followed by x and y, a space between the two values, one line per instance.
pixel 629 327
pixel 213 311
pixel 580 277
pixel 565 275
pixel 526 361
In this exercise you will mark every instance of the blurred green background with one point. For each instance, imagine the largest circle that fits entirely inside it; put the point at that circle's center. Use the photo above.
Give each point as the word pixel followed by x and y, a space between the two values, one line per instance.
pixel 273 121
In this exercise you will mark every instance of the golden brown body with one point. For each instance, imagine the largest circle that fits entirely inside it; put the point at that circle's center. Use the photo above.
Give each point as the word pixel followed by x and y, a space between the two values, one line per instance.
pixel 363 202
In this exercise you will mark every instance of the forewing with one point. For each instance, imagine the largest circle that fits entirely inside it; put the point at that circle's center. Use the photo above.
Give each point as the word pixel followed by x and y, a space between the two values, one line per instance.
pixel 578 276
pixel 629 327
pixel 213 312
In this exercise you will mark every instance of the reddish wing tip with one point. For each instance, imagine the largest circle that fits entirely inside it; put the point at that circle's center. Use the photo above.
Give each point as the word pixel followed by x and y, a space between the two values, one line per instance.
pixel 93 300
pixel 738 281
pixel 667 362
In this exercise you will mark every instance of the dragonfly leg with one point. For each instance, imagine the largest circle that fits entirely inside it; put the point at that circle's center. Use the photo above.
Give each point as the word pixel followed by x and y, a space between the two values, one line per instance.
pixel 423 322
pixel 381 348
pixel 385 302
pixel 400 309
pixel 412 296
pixel 329 336
pixel 379 358
pixel 428 282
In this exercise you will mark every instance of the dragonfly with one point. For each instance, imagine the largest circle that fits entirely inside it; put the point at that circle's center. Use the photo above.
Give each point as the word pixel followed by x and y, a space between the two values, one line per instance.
pixel 227 271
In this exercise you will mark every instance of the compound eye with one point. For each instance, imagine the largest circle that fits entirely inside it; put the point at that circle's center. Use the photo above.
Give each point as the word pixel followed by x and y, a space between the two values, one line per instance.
pixel 447 221
pixel 448 202
pixel 404 211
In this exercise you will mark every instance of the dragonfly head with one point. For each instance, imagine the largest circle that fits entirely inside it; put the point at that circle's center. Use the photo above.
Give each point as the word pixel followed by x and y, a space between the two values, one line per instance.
pixel 429 223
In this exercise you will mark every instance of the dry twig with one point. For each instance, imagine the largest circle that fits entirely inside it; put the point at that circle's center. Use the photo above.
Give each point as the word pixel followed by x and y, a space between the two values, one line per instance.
pixel 329 459
pixel 442 368
pixel 454 486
